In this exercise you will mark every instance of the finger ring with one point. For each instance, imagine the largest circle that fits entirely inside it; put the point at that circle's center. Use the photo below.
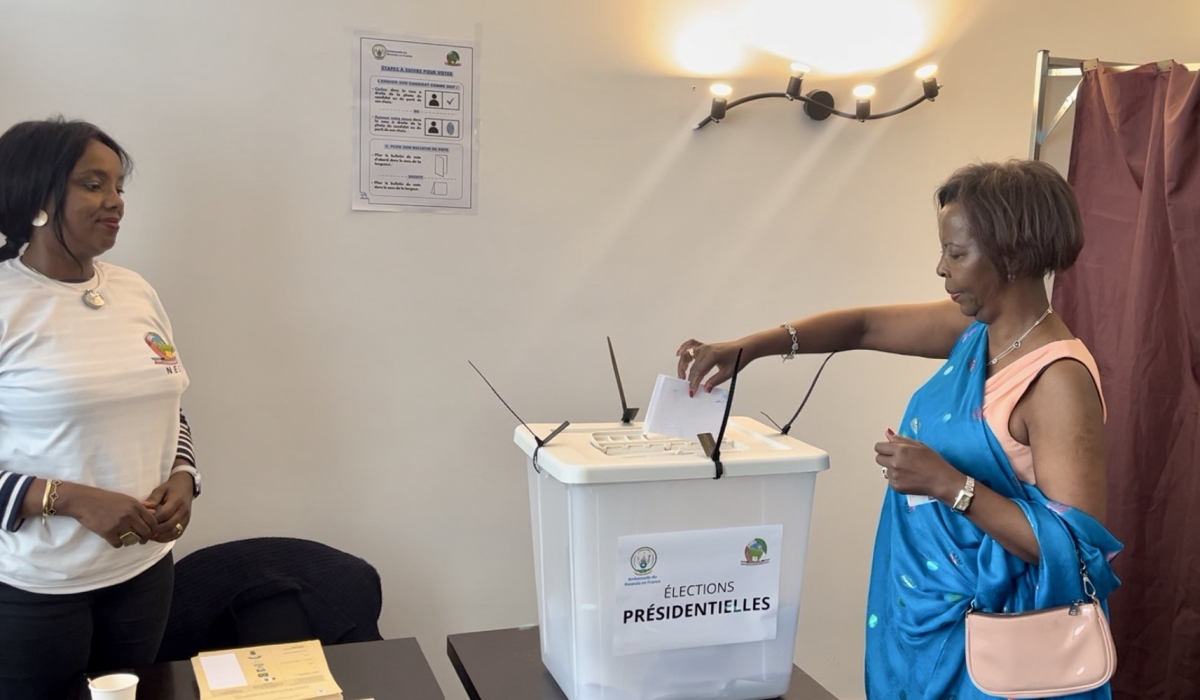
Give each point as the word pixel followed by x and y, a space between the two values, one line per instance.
pixel 883 470
pixel 692 353
pixel 130 538
pixel 179 528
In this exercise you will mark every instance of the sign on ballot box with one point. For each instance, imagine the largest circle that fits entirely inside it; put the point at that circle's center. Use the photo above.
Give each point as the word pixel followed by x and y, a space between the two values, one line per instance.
pixel 701 588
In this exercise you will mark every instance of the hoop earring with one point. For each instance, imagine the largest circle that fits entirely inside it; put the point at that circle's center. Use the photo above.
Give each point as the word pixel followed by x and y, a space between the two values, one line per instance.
pixel 41 219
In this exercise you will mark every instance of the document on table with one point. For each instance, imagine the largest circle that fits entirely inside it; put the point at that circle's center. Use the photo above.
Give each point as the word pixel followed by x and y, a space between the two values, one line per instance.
pixel 675 414
pixel 275 672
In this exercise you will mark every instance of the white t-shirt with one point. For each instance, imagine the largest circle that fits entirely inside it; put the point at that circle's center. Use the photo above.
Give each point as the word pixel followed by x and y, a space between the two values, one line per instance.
pixel 89 396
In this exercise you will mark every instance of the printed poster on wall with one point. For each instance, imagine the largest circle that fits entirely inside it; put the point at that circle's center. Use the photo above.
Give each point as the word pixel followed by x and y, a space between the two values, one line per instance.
pixel 415 124
pixel 680 590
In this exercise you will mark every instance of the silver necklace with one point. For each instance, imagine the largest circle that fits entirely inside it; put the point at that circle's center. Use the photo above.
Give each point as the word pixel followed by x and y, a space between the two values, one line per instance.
pixel 1017 343
pixel 92 298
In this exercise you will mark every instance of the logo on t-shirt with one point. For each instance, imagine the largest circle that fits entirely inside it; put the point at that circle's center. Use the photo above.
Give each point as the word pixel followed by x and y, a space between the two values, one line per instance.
pixel 165 352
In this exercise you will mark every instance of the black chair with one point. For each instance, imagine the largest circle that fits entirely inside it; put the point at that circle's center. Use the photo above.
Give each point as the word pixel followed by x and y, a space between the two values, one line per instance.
pixel 270 590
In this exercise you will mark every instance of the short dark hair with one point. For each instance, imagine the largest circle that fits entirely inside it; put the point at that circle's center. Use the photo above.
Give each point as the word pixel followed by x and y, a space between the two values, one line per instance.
pixel 36 160
pixel 1023 212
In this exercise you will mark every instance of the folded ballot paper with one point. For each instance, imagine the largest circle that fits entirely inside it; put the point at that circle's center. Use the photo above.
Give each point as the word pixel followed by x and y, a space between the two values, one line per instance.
pixel 672 413
pixel 296 671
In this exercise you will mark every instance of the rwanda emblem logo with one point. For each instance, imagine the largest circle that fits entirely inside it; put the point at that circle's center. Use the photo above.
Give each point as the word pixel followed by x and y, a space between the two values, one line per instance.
pixel 164 350
pixel 755 552
pixel 643 561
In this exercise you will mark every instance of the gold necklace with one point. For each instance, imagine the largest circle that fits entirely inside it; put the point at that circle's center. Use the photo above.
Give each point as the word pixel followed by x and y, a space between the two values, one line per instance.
pixel 92 298
pixel 1017 343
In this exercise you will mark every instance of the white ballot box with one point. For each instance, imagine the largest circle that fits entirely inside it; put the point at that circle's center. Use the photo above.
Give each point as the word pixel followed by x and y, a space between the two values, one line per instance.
pixel 656 581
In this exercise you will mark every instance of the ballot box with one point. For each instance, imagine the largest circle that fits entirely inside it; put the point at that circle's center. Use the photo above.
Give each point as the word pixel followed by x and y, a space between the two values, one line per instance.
pixel 655 579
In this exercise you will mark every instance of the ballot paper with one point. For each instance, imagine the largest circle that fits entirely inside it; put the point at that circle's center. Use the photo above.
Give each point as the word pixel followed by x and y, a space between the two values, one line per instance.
pixel 673 413
pixel 295 671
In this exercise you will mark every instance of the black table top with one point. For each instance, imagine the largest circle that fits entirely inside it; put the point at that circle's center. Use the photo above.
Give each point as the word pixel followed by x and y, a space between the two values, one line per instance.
pixel 507 664
pixel 391 669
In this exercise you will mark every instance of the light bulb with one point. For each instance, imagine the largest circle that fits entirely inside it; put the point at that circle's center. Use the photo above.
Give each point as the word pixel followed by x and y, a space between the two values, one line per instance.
pixel 862 92
pixel 800 70
pixel 929 84
pixel 721 90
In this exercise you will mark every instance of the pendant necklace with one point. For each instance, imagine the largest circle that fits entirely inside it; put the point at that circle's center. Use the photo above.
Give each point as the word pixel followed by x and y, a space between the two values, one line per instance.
pixel 92 298
pixel 1017 343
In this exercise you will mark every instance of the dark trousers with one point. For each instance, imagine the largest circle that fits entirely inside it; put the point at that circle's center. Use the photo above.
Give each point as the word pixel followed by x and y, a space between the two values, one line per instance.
pixel 48 641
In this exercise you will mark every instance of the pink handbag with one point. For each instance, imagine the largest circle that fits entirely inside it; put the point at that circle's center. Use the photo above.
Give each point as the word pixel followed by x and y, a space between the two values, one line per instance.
pixel 1045 653
pixel 1042 653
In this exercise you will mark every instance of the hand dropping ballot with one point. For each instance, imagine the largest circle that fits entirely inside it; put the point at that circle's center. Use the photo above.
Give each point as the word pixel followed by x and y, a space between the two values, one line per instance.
pixel 672 413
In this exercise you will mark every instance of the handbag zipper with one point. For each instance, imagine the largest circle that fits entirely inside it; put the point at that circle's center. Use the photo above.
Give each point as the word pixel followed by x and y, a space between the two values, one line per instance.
pixel 1072 609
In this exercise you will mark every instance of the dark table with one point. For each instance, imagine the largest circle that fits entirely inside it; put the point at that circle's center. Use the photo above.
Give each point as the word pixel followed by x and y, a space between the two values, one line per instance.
pixel 392 669
pixel 504 664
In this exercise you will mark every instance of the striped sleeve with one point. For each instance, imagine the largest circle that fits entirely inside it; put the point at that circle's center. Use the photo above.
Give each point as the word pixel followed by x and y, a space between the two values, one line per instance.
pixel 184 450
pixel 13 488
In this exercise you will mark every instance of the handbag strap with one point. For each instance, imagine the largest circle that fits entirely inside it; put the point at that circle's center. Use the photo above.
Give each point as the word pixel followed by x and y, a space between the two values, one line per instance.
pixel 1089 588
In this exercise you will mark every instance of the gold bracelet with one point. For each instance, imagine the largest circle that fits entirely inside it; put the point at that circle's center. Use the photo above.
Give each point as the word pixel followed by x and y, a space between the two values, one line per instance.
pixel 50 496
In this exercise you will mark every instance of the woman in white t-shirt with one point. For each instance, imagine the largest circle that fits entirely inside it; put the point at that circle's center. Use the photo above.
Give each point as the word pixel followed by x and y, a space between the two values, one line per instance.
pixel 97 475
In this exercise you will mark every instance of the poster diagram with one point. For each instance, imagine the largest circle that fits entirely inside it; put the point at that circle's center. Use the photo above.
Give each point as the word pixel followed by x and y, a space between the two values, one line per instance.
pixel 415 125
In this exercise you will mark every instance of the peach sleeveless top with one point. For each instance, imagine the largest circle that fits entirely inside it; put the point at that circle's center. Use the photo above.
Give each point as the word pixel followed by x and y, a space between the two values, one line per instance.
pixel 1005 388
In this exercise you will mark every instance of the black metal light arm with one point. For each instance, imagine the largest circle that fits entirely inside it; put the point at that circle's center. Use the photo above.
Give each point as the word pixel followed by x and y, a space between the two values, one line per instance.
pixel 819 109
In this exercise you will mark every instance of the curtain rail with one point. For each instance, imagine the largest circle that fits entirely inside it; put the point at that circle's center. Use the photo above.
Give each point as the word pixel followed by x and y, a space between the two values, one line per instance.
pixel 1060 66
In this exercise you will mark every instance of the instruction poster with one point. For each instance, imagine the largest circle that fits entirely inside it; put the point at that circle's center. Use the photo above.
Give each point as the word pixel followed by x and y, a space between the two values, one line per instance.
pixel 415 125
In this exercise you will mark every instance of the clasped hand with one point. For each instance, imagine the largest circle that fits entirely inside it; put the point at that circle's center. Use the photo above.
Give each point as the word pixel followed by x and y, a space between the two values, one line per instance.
pixel 161 517
pixel 913 468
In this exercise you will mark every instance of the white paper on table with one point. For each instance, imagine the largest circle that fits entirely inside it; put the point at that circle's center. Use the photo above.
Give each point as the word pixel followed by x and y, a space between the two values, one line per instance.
pixel 222 671
pixel 675 414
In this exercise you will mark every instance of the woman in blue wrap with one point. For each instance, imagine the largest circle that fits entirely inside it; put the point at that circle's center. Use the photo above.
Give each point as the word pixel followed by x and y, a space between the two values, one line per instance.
pixel 996 471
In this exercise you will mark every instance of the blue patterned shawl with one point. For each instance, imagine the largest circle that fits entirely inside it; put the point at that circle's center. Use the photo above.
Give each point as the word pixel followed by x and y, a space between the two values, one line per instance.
pixel 930 562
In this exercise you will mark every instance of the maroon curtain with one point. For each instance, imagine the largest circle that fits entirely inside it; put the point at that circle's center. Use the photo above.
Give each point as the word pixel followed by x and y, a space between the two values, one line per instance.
pixel 1134 299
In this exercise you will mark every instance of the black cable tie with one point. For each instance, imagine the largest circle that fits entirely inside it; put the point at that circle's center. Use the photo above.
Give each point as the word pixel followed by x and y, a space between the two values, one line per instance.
pixel 540 442
pixel 627 413
pixel 715 452
pixel 788 428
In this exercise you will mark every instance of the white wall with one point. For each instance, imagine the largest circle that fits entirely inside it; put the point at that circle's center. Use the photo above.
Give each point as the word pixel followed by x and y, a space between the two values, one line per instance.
pixel 331 397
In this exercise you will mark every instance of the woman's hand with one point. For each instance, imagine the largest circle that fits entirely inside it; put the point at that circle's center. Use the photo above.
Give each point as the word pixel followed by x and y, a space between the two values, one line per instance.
pixel 171 503
pixel 914 468
pixel 704 358
pixel 107 513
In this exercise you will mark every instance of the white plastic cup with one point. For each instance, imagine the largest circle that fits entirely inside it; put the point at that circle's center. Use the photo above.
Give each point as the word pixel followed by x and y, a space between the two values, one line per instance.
pixel 118 686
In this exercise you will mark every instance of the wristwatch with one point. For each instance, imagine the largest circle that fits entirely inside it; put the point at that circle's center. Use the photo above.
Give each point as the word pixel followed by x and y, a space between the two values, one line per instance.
pixel 963 500
pixel 191 471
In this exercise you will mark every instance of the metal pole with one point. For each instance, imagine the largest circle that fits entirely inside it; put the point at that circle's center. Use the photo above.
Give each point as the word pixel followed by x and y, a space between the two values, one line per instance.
pixel 1039 100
